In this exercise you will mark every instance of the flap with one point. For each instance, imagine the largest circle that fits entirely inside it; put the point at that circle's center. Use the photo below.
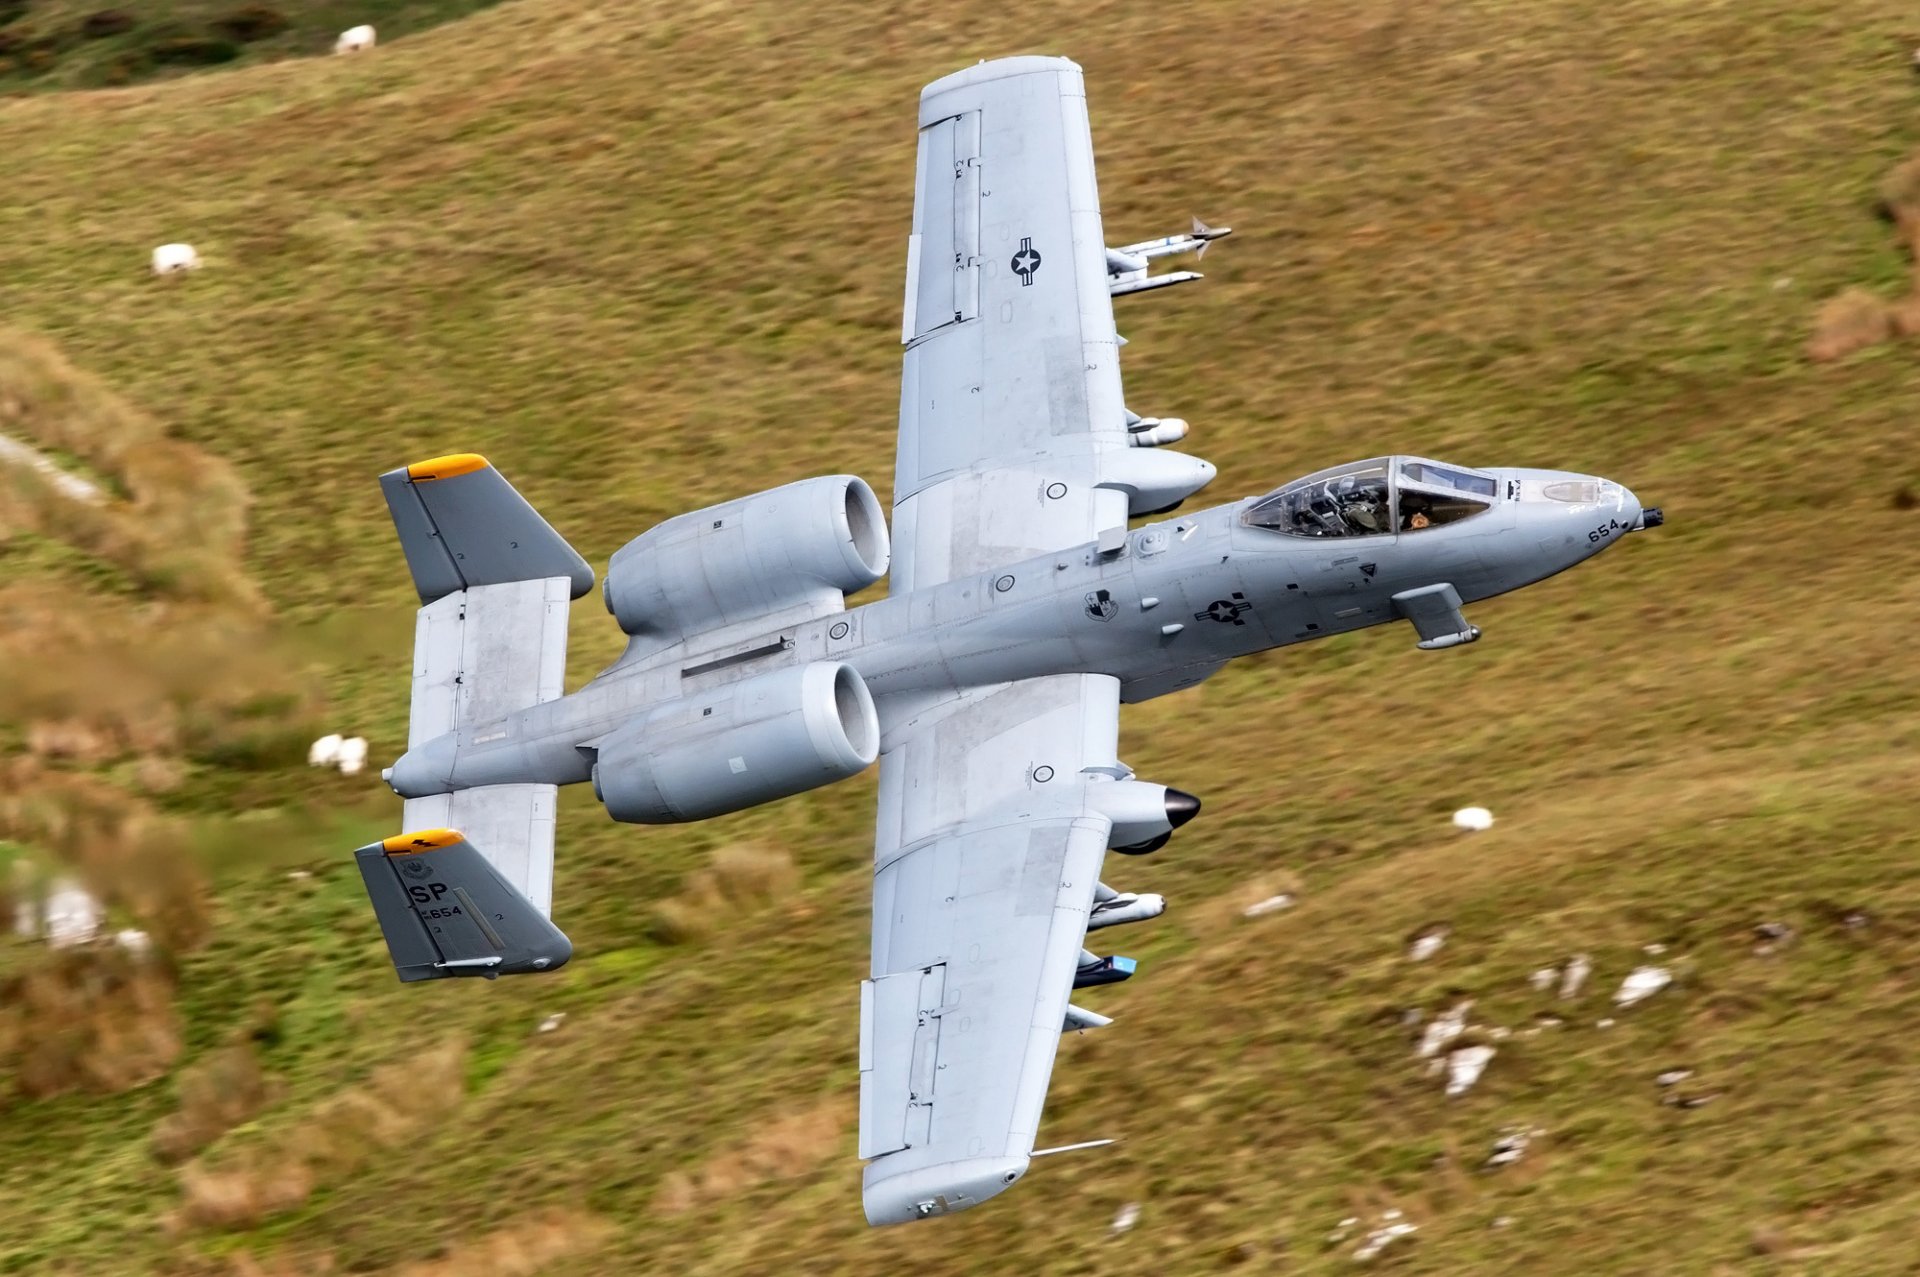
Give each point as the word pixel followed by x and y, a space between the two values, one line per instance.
pixel 899 1056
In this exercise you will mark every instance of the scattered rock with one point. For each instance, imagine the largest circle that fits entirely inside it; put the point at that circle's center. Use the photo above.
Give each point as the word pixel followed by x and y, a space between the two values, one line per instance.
pixel 1464 1068
pixel 1653 950
pixel 1473 818
pixel 1501 1221
pixel 70 916
pixel 1443 1030
pixel 1428 942
pixel 355 40
pixel 173 259
pixel 1393 1226
pixel 1642 984
pixel 1689 1101
pixel 1125 1218
pixel 1510 1147
pixel 1272 904
pixel 134 941
pixel 1857 920
pixel 298 875
pixel 1771 936
pixel 1579 967
pixel 1543 979
pixel 1604 1023
pixel 1341 1230
pixel 553 1021
pixel 1672 1077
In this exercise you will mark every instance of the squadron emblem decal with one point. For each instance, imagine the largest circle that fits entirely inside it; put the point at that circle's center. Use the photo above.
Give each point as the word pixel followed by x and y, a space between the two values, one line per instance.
pixel 1026 262
pixel 416 869
pixel 1226 611
pixel 1100 605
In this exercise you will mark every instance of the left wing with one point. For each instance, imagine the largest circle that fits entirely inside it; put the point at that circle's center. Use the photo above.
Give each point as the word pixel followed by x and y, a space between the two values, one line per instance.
pixel 1014 438
pixel 987 861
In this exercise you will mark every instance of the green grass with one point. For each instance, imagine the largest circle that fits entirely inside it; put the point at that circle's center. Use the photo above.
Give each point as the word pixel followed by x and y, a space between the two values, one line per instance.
pixel 646 256
pixel 67 44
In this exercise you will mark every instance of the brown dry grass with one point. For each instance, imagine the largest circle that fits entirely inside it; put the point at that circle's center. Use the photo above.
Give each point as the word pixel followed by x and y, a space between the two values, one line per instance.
pixel 127 854
pixel 541 1241
pixel 181 530
pixel 532 1244
pixel 739 880
pixel 1857 319
pixel 94 1018
pixel 98 679
pixel 1851 322
pixel 217 1094
pixel 780 1148
pixel 337 1137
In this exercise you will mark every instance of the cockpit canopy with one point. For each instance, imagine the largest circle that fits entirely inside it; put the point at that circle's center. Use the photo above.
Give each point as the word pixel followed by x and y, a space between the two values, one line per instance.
pixel 1371 498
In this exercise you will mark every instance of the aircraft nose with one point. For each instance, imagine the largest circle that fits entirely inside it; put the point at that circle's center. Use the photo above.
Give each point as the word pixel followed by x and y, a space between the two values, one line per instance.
pixel 1623 500
pixel 1637 517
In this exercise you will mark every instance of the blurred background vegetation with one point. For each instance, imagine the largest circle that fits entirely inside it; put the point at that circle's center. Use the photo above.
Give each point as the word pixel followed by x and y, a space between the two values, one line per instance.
pixel 647 256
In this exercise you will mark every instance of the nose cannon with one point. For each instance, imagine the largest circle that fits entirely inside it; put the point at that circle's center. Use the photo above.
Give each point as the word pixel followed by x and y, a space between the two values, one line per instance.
pixel 1650 517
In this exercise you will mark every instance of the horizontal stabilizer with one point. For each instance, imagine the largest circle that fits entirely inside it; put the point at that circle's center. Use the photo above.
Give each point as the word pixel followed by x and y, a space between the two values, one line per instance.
pixel 446 912
pixel 461 524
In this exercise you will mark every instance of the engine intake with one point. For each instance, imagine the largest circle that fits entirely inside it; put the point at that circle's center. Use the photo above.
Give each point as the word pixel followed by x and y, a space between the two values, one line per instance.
pixel 739 745
pixel 790 552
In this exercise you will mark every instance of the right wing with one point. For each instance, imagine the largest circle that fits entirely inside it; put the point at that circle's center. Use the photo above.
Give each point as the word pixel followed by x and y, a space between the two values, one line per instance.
pixel 987 861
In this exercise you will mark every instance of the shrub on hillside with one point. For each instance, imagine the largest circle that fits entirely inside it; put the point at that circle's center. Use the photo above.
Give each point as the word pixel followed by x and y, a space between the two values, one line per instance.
pixel 740 879
pixel 94 1018
pixel 193 50
pixel 253 22
pixel 102 23
pixel 217 1093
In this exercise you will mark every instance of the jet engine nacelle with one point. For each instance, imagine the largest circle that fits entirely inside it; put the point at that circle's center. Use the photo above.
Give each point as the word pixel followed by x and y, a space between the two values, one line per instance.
pixel 796 550
pixel 739 745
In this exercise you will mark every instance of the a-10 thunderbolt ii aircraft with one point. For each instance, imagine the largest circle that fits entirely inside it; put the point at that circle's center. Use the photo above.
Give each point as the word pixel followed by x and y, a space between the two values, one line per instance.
pixel 1023 612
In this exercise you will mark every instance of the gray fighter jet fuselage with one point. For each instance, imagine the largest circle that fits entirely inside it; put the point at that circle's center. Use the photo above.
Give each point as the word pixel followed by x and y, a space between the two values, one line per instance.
pixel 1160 607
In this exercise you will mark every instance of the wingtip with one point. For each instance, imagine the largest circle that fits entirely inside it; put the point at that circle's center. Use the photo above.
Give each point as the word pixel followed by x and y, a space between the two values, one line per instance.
pixel 454 463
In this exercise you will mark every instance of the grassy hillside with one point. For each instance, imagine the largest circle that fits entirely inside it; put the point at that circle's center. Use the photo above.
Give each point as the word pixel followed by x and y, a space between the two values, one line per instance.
pixel 65 44
pixel 646 256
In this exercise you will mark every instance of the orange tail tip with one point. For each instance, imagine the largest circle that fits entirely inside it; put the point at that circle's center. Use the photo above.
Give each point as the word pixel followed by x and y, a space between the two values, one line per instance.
pixel 422 840
pixel 446 467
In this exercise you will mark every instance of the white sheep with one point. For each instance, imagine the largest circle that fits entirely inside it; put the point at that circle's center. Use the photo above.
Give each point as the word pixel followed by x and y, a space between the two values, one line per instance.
pixel 171 259
pixel 355 39
pixel 324 752
pixel 353 754
pixel 1474 818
